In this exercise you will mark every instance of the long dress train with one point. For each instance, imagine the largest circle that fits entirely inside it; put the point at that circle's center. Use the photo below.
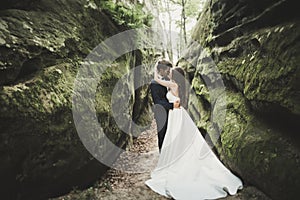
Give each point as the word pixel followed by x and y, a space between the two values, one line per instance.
pixel 187 168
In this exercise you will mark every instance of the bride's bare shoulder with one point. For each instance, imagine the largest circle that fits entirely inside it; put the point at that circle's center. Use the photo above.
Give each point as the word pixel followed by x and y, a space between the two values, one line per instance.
pixel 174 92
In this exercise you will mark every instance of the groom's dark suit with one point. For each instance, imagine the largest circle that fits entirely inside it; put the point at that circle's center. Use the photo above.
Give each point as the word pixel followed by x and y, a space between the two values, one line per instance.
pixel 161 109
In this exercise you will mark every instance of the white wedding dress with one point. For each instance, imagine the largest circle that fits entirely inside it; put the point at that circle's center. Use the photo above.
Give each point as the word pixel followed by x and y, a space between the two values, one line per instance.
pixel 187 168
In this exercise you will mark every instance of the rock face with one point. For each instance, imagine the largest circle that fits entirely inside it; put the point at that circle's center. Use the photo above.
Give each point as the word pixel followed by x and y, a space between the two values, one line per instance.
pixel 256 48
pixel 42 43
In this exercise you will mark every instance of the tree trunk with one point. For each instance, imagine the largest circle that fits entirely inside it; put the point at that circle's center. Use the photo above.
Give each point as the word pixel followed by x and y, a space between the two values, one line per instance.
pixel 183 16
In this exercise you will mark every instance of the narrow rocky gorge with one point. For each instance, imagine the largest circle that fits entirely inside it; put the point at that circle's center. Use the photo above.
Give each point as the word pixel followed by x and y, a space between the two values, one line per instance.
pixel 242 63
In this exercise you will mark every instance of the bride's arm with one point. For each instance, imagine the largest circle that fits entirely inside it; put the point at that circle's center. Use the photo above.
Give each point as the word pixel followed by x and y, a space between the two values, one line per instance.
pixel 165 83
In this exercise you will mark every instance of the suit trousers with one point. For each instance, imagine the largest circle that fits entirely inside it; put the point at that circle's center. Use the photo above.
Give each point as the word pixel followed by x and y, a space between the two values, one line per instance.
pixel 161 118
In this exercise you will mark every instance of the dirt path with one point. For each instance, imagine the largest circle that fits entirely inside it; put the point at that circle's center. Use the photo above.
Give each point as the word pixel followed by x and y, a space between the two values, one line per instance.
pixel 117 184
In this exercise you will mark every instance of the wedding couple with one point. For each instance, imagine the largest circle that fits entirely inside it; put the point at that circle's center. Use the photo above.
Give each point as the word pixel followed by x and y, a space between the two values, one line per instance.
pixel 187 168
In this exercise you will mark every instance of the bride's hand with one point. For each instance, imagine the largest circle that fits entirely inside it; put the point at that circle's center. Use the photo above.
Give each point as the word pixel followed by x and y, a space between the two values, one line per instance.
pixel 177 104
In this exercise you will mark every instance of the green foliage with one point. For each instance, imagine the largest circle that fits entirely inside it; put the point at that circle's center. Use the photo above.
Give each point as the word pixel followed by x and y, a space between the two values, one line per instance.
pixel 193 8
pixel 132 16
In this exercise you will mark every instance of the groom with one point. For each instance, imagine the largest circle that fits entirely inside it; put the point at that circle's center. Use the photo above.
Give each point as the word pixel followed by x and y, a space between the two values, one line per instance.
pixel 162 105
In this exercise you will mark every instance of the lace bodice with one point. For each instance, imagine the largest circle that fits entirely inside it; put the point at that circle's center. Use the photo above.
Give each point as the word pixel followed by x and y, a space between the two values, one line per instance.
pixel 171 98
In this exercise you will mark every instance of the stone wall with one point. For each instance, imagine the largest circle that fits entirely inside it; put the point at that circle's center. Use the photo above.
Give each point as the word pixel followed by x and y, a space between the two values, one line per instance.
pixel 42 46
pixel 256 48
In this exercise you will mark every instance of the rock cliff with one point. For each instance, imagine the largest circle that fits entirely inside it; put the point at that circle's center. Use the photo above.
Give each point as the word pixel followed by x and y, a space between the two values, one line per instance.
pixel 255 47
pixel 42 44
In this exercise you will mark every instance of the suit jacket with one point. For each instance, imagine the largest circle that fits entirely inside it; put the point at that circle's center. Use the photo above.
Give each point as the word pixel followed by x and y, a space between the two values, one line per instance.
pixel 158 93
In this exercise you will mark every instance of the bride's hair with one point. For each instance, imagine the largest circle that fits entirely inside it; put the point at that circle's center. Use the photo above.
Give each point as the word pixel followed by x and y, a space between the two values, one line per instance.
pixel 179 78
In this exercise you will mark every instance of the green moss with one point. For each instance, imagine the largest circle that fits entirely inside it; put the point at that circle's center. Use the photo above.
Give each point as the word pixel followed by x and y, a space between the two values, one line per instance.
pixel 132 16
pixel 40 61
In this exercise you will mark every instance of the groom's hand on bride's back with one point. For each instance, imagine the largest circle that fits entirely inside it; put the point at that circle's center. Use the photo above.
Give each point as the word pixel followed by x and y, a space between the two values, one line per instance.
pixel 177 104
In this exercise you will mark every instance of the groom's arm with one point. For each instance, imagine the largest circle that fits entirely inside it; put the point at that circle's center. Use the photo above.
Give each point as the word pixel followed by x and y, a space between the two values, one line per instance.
pixel 156 98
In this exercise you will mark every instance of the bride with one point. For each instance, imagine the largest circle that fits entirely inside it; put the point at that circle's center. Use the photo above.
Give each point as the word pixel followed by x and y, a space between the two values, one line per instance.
pixel 187 168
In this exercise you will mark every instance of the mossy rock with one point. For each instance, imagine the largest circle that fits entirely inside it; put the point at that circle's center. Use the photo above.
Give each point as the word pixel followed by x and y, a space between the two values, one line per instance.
pixel 42 45
pixel 256 51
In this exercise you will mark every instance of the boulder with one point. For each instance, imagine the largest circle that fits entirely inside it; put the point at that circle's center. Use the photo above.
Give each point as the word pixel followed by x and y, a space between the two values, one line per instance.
pixel 43 44
pixel 255 48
